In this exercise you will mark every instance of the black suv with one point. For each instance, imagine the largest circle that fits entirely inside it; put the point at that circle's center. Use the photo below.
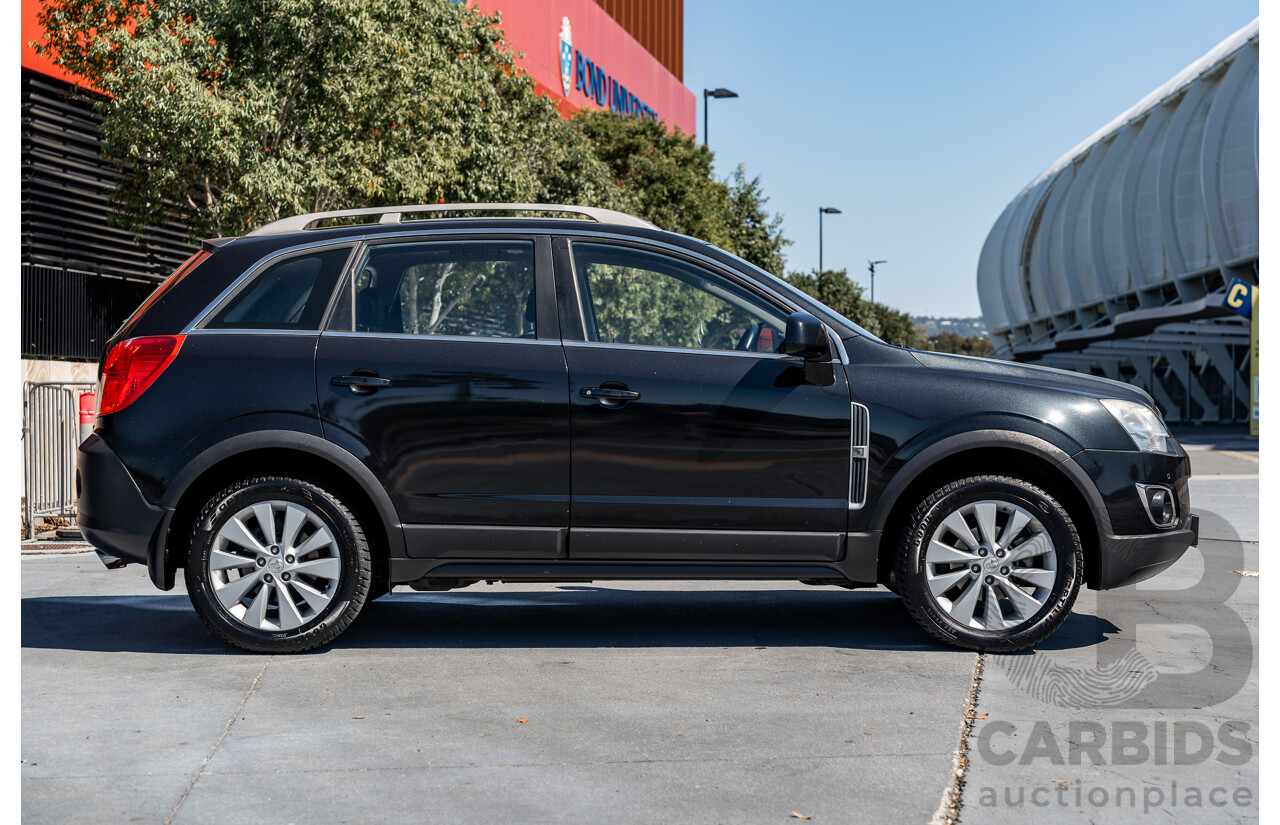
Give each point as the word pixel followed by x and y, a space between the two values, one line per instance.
pixel 307 416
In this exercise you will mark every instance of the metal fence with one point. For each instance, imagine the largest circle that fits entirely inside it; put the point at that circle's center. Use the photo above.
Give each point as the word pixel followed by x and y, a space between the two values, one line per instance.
pixel 50 436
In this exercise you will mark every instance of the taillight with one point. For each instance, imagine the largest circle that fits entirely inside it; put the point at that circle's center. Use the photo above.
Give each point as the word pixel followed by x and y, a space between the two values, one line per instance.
pixel 131 367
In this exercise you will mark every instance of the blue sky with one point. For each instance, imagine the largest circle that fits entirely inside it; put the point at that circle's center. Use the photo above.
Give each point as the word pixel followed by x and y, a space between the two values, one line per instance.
pixel 922 120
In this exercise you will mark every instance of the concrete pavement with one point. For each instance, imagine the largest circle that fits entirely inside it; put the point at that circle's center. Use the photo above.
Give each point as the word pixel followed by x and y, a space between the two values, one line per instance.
pixel 643 702
pixel 733 702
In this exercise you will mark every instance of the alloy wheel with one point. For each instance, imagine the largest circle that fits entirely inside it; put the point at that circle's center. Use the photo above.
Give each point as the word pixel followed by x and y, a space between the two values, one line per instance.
pixel 274 565
pixel 990 565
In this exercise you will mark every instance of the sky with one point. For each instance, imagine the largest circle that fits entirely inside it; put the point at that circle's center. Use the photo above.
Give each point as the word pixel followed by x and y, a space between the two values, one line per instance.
pixel 923 120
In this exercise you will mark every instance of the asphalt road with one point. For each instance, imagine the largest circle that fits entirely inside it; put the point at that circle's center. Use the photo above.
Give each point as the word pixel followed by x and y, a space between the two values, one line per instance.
pixel 649 702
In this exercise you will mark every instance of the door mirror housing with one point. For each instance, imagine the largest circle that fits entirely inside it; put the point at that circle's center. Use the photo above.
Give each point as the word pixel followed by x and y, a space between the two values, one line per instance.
pixel 806 337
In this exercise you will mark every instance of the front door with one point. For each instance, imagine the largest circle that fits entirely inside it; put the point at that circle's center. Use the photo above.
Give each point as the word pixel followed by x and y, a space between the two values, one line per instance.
pixel 442 369
pixel 693 438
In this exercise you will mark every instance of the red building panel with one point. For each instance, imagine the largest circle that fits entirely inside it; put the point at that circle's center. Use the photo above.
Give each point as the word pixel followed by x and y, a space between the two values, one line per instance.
pixel 620 72
pixel 534 28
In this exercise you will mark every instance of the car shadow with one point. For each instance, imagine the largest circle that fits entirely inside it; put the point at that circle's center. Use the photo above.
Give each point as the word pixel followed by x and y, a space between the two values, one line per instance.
pixel 567 616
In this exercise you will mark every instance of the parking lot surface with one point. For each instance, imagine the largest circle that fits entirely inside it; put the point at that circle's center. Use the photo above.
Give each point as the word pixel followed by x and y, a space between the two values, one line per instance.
pixel 646 702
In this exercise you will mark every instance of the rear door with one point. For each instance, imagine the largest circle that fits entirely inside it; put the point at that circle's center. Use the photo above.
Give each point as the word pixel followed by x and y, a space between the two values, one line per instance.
pixel 443 370
pixel 693 438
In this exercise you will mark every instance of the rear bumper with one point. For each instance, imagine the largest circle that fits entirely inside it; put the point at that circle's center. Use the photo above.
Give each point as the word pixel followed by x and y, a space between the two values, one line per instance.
pixel 1125 560
pixel 113 514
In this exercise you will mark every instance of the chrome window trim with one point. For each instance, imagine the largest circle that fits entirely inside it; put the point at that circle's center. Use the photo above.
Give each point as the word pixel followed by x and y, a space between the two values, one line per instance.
pixel 359 242
pixel 776 356
pixel 844 354
pixel 258 331
pixel 262 264
pixel 340 333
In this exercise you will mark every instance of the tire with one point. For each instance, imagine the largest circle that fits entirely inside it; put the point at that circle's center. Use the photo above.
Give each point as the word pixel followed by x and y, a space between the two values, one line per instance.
pixel 293 589
pixel 1034 573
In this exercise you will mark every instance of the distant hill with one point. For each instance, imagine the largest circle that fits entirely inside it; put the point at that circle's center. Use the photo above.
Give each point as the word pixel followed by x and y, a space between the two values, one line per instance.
pixel 964 327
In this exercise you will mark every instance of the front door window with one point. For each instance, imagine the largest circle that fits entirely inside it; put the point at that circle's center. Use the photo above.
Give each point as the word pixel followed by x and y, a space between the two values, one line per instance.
pixel 632 296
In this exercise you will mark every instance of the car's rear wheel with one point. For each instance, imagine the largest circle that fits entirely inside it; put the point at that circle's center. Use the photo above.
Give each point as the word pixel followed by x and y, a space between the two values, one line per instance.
pixel 990 563
pixel 278 565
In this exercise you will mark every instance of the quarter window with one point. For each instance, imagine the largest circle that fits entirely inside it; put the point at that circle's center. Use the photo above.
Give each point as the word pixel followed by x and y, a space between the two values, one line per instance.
pixel 291 294
pixel 632 296
pixel 461 288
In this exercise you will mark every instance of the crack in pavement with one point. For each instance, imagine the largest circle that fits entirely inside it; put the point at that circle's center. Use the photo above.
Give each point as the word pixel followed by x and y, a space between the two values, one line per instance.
pixel 948 812
pixel 225 731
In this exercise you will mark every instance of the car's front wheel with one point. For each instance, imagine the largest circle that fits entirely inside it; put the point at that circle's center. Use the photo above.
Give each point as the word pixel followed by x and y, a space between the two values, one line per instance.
pixel 989 563
pixel 278 565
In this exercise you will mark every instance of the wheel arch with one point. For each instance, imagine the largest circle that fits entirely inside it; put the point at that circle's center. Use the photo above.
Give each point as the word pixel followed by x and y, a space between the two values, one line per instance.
pixel 1000 452
pixel 274 452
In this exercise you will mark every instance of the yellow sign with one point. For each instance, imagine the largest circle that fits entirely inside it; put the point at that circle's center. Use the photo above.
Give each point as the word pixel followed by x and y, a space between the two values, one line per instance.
pixel 1255 321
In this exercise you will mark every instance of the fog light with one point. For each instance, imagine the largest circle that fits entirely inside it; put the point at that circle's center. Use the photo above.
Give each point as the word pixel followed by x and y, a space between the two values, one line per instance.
pixel 1158 502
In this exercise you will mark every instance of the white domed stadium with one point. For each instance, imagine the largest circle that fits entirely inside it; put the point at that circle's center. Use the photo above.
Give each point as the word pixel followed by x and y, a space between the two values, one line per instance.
pixel 1115 259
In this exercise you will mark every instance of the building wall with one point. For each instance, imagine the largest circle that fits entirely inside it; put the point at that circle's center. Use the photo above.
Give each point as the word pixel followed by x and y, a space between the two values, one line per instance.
pixel 657 24
pixel 621 51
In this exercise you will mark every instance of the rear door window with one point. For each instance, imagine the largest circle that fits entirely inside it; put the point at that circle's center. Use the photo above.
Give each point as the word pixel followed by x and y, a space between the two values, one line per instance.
pixel 473 288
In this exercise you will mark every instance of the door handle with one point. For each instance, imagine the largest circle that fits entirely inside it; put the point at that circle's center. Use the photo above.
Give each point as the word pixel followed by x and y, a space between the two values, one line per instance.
pixel 604 394
pixel 357 383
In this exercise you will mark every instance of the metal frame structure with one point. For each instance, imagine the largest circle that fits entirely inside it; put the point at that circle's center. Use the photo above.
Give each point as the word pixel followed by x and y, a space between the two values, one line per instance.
pixel 50 436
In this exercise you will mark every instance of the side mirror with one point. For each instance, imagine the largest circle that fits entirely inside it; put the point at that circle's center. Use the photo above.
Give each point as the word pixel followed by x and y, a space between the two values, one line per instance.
pixel 806 337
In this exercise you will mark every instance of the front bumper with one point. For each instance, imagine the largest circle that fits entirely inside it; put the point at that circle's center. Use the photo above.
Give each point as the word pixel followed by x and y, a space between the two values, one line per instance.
pixel 114 516
pixel 1125 560
pixel 1131 547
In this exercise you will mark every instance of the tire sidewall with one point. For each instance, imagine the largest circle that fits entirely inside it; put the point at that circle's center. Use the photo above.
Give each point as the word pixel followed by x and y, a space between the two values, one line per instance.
pixel 1051 516
pixel 347 537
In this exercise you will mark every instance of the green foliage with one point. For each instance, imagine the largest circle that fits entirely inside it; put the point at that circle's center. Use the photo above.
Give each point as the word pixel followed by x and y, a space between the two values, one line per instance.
pixel 955 343
pixel 753 235
pixel 230 113
pixel 833 288
pixel 666 178
pixel 227 114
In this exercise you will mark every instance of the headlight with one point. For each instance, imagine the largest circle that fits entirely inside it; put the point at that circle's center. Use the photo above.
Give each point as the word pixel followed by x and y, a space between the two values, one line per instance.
pixel 1141 422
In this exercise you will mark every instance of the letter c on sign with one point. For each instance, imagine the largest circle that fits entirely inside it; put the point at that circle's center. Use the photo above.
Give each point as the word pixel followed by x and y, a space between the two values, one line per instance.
pixel 1236 297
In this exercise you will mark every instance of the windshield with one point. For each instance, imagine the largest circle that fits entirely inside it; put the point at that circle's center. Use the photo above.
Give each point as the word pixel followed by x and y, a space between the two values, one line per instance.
pixel 779 284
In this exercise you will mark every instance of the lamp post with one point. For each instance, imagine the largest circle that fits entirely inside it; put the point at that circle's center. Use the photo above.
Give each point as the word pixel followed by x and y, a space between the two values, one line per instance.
pixel 709 93
pixel 871 265
pixel 823 210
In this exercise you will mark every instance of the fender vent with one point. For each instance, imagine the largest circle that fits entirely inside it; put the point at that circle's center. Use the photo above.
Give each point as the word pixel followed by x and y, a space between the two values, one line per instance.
pixel 859 441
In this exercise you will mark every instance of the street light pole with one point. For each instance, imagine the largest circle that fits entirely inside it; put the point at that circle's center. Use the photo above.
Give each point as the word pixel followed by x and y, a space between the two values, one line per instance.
pixel 871 265
pixel 823 210
pixel 707 94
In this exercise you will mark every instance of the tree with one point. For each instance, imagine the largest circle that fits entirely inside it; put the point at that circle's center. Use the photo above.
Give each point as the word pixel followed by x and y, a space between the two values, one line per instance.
pixel 833 288
pixel 959 344
pixel 230 113
pixel 667 179
pixel 753 235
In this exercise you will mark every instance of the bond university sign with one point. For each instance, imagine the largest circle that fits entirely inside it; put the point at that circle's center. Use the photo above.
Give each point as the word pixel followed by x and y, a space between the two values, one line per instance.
pixel 593 80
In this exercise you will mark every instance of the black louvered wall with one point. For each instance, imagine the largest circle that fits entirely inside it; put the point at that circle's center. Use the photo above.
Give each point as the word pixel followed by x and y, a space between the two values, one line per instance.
pixel 81 276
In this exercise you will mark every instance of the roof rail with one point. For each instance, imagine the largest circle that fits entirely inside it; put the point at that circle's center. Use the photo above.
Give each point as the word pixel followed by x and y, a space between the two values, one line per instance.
pixel 391 214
